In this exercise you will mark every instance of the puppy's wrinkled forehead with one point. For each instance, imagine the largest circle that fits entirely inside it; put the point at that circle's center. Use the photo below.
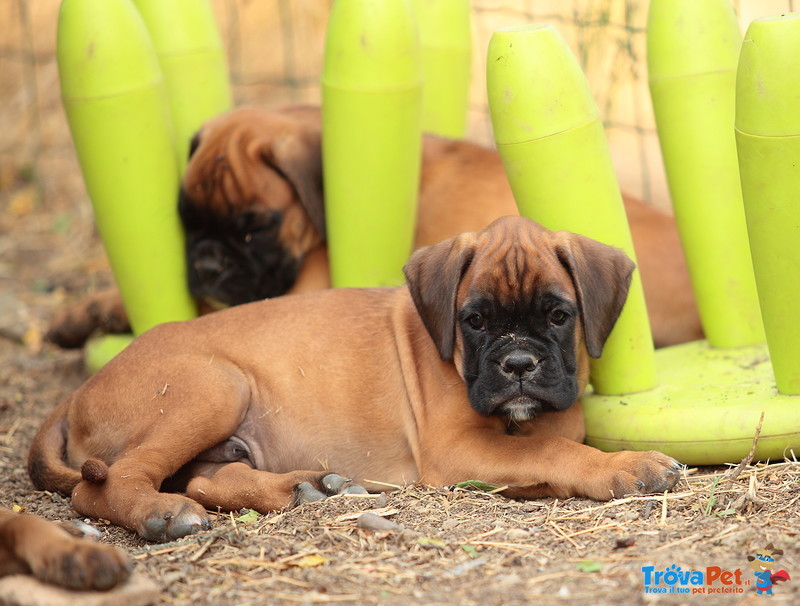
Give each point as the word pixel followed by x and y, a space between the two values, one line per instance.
pixel 516 265
pixel 228 169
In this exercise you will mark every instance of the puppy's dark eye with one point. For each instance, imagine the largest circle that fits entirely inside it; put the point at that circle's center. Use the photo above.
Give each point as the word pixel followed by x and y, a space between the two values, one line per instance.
pixel 477 322
pixel 557 317
pixel 194 144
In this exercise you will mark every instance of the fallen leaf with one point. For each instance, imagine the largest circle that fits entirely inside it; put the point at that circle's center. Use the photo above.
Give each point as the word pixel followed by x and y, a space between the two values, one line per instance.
pixel 478 485
pixel 309 561
pixel 22 203
pixel 249 517
pixel 383 512
pixel 589 566
pixel 431 542
pixel 33 338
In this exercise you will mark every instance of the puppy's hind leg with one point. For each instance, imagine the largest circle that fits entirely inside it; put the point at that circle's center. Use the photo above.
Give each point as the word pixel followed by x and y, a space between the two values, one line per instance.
pixel 155 440
pixel 128 495
pixel 234 486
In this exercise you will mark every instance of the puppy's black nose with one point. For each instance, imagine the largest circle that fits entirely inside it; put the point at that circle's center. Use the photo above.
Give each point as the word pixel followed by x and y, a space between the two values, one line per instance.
pixel 518 364
pixel 207 268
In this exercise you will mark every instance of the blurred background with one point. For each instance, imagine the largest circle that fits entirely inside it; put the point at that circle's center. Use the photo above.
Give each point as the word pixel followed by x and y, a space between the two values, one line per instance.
pixel 274 49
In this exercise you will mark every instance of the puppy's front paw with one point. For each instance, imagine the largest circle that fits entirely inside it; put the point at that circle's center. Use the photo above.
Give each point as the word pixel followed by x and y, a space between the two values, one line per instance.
pixel 102 311
pixel 329 485
pixel 80 565
pixel 634 473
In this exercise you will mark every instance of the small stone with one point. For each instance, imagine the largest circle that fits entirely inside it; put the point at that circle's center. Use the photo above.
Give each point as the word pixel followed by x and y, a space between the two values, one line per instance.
pixel 449 524
pixel 509 579
pixel 381 501
pixel 370 521
pixel 518 534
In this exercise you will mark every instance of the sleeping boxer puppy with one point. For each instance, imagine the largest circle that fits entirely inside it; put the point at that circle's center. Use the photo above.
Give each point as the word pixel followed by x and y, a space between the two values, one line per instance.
pixel 252 206
pixel 31 545
pixel 472 371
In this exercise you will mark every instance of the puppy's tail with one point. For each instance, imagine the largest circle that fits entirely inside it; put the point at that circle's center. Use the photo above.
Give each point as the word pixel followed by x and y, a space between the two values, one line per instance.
pixel 94 471
pixel 46 465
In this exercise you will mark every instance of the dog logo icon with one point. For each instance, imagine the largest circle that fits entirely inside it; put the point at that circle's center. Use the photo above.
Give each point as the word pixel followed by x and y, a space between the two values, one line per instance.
pixel 763 563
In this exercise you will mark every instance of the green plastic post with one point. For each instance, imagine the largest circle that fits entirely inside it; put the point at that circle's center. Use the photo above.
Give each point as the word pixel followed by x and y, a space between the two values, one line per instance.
pixel 692 51
pixel 193 62
pixel 371 139
pixel 114 97
pixel 727 395
pixel 768 140
pixel 550 137
pixel 446 42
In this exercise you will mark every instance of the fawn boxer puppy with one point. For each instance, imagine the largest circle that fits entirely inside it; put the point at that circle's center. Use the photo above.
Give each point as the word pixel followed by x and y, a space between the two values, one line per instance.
pixel 253 209
pixel 472 371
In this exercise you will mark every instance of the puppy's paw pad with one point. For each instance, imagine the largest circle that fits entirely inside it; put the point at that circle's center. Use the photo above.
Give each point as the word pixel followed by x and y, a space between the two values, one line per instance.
pixel 85 566
pixel 107 568
pixel 355 489
pixel 306 493
pixel 334 484
pixel 329 485
pixel 646 473
pixel 170 523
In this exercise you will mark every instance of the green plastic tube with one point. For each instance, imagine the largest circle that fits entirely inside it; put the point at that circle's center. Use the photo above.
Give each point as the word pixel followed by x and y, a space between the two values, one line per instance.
pixel 114 97
pixel 193 62
pixel 371 139
pixel 692 52
pixel 768 141
pixel 446 43
pixel 550 137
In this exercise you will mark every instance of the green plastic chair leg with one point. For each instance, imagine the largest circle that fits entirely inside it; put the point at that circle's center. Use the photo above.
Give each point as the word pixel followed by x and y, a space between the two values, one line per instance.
pixel 116 106
pixel 710 401
pixel 371 139
pixel 692 52
pixel 446 44
pixel 191 56
pixel 550 137
pixel 768 138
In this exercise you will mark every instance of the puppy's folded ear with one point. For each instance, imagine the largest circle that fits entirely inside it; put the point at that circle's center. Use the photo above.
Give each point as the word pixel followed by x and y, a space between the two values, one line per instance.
pixel 601 275
pixel 434 274
pixel 298 156
pixel 194 143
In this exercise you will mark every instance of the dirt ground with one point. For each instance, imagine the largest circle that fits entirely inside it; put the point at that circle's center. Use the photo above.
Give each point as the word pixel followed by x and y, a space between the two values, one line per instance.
pixel 453 545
